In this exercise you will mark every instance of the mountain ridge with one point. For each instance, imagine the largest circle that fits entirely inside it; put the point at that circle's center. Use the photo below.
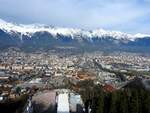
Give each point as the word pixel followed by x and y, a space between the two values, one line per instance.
pixel 36 37
pixel 29 30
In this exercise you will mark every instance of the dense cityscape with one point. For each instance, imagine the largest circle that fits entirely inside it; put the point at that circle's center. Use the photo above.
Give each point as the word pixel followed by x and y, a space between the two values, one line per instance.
pixel 55 77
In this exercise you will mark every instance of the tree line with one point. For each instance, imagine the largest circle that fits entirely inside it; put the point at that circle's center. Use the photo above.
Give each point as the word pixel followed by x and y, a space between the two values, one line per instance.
pixel 127 100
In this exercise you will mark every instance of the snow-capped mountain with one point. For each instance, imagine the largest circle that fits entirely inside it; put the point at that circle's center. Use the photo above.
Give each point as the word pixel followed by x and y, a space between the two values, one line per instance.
pixel 42 36
pixel 29 30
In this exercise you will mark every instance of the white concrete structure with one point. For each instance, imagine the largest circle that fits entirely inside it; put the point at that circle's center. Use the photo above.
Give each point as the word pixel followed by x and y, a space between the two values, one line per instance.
pixel 63 103
pixel 75 101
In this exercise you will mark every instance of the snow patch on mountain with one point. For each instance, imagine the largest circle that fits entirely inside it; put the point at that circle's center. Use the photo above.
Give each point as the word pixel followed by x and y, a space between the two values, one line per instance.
pixel 139 35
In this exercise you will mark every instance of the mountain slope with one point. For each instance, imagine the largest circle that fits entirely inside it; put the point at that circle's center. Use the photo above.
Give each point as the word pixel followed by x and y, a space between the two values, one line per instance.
pixel 34 37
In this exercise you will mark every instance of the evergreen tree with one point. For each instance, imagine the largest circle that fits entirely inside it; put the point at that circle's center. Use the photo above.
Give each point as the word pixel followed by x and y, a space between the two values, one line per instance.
pixel 146 103
pixel 113 103
pixel 100 108
pixel 134 105
pixel 123 102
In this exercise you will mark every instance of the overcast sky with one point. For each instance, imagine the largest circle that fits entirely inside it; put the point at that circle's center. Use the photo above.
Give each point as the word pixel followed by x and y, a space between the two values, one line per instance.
pixel 130 16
